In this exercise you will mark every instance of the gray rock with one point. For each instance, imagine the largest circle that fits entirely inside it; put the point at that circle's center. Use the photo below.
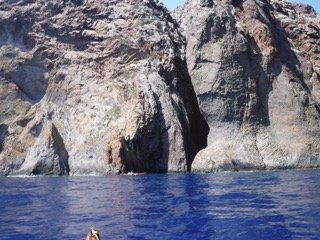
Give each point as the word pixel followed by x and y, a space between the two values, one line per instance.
pixel 254 89
pixel 48 155
pixel 111 78
pixel 90 88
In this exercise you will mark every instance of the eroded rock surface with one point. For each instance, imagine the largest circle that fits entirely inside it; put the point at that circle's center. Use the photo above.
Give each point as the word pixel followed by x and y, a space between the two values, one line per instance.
pixel 94 87
pixel 112 86
pixel 254 66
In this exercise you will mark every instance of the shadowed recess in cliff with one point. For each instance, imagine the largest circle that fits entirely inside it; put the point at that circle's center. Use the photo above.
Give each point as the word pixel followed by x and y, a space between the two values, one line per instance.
pixel 51 159
pixel 153 145
pixel 15 32
pixel 75 2
pixel 194 127
pixel 31 80
pixel 206 3
pixel 195 132
pixel 148 150
pixel 61 151
pixel 3 134
pixel 237 3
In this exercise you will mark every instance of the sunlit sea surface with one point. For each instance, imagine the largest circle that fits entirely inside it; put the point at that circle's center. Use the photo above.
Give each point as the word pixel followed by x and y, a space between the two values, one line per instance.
pixel 245 205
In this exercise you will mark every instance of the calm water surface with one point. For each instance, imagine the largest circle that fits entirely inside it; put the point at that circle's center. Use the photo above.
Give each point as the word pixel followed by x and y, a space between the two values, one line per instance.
pixel 258 205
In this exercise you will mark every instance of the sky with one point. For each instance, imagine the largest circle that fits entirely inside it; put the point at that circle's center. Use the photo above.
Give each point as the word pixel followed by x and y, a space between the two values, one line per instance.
pixel 314 3
pixel 172 4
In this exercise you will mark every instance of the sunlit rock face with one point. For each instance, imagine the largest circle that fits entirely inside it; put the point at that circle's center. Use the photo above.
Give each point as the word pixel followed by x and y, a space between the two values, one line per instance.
pixel 94 87
pixel 114 86
pixel 255 68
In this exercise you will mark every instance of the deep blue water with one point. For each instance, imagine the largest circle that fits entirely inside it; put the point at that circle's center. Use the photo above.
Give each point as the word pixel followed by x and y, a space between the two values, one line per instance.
pixel 245 205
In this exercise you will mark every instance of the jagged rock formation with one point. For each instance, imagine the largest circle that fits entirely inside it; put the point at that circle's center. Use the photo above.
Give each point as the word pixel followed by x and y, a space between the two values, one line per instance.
pixel 112 86
pixel 94 87
pixel 255 69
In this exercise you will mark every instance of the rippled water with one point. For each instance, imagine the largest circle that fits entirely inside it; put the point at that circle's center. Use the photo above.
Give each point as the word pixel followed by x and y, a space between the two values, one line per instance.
pixel 259 205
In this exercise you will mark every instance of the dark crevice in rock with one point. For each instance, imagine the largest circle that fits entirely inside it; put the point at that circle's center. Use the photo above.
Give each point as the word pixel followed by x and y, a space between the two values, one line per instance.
pixel 57 162
pixel 197 129
pixel 148 150
pixel 61 151
pixel 206 3
pixel 76 2
pixel 317 106
pixel 194 127
pixel 237 3
pixel 24 122
pixel 3 134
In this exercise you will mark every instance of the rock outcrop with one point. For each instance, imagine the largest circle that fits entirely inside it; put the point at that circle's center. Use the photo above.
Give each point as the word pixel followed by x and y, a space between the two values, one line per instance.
pixel 255 69
pixel 94 87
pixel 113 86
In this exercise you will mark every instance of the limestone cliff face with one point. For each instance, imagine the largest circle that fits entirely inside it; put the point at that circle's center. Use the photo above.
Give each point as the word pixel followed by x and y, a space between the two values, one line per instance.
pixel 94 87
pixel 111 86
pixel 255 69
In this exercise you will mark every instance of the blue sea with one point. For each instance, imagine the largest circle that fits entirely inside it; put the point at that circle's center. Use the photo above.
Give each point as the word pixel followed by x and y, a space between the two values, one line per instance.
pixel 244 205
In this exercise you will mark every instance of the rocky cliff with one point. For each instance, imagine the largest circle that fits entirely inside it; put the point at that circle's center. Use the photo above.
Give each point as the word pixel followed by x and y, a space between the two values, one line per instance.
pixel 112 86
pixel 95 87
pixel 255 69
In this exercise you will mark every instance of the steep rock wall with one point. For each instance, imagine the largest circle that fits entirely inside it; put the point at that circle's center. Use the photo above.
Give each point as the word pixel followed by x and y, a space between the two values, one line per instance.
pixel 256 82
pixel 94 87
pixel 112 86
